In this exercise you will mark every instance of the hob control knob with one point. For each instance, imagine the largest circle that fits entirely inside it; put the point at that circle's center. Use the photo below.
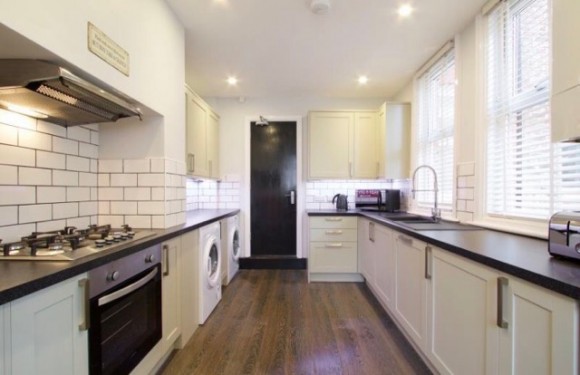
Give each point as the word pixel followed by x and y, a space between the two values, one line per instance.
pixel 150 258
pixel 113 276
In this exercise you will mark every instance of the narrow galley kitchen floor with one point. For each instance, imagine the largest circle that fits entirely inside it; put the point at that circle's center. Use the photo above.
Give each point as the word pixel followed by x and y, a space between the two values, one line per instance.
pixel 274 322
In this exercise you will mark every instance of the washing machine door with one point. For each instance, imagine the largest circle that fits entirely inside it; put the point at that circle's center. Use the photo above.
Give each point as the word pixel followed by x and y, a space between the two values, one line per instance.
pixel 212 262
pixel 235 245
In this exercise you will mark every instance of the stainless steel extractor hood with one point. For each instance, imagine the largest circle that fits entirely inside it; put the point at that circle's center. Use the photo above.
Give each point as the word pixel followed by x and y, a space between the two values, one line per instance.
pixel 47 91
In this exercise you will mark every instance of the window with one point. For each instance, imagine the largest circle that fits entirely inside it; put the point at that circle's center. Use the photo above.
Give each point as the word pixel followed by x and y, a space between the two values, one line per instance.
pixel 436 120
pixel 527 176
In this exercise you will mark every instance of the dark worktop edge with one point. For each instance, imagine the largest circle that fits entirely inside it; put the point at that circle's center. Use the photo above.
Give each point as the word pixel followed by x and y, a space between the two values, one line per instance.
pixel 194 220
pixel 545 281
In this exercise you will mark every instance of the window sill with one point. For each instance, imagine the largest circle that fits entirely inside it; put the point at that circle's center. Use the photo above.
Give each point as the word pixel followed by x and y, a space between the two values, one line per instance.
pixel 526 228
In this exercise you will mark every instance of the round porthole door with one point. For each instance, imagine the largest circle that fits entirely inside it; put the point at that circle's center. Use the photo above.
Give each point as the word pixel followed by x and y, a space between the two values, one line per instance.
pixel 212 262
pixel 236 246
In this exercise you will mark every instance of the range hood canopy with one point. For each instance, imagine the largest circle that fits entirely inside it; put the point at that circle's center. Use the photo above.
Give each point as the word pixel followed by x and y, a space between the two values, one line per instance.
pixel 45 90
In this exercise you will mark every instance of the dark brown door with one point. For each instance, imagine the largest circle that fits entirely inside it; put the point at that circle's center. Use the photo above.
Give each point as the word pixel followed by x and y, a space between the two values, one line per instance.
pixel 273 188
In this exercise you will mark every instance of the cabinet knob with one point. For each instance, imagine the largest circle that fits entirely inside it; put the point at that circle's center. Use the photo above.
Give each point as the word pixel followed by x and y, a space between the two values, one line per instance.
pixel 113 276
pixel 150 258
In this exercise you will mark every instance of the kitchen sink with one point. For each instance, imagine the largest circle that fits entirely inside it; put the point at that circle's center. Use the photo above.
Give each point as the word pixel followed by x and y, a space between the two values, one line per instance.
pixel 417 222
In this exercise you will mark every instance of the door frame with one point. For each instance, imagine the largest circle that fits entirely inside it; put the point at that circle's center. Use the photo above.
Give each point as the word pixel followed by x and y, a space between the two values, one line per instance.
pixel 246 206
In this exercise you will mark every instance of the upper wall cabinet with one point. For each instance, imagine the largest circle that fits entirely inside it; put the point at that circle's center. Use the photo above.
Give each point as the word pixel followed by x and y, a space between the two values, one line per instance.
pixel 342 145
pixel 202 139
pixel 394 126
pixel 565 70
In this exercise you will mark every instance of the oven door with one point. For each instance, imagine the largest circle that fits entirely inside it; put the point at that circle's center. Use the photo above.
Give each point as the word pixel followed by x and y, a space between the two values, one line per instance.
pixel 125 323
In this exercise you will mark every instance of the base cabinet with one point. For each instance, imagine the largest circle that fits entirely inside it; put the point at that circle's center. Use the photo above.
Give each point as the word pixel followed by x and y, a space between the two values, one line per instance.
pixel 45 333
pixel 4 339
pixel 385 265
pixel 171 292
pixel 189 285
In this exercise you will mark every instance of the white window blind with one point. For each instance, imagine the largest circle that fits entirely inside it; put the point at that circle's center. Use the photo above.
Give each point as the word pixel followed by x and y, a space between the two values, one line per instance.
pixel 527 176
pixel 436 122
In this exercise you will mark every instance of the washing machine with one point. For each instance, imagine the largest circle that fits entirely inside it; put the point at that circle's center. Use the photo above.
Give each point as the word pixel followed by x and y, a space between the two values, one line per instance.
pixel 231 249
pixel 210 285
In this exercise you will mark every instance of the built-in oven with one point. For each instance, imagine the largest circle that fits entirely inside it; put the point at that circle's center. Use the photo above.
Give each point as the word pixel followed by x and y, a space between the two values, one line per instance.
pixel 125 311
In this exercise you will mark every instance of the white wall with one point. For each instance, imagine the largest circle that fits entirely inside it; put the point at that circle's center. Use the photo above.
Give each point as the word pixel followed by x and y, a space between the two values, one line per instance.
pixel 152 36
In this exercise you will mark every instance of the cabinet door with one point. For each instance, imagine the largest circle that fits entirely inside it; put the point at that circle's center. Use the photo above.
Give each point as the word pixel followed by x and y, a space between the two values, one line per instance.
pixel 171 292
pixel 462 309
pixel 384 261
pixel 410 296
pixel 333 257
pixel 566 45
pixel 365 145
pixel 363 245
pixel 398 140
pixel 381 140
pixel 213 145
pixel 329 148
pixel 4 338
pixel 45 337
pixel 196 145
pixel 541 336
pixel 189 285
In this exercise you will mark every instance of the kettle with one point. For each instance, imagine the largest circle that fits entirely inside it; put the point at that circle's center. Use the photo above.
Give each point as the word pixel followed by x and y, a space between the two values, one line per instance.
pixel 341 201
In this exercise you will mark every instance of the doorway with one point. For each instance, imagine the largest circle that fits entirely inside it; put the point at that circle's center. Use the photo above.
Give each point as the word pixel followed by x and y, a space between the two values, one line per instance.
pixel 273 188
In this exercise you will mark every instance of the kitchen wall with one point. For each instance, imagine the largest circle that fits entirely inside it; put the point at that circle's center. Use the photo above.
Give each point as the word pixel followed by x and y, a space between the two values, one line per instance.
pixel 208 194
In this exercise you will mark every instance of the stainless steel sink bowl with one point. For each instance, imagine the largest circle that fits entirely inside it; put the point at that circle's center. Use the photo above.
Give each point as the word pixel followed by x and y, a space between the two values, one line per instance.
pixel 441 225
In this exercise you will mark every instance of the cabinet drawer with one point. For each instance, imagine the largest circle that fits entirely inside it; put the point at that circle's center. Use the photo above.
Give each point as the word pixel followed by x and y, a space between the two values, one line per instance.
pixel 333 257
pixel 333 235
pixel 324 222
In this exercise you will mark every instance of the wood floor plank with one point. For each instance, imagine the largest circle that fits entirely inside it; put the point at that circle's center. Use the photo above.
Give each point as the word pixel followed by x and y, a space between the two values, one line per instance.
pixel 272 322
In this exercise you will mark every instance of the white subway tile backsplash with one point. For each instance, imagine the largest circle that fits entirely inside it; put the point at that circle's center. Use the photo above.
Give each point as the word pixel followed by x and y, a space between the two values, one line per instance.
pixel 94 127
pixel 88 150
pixel 34 176
pixel 136 166
pixel 95 138
pixel 157 165
pixel 157 194
pixel 17 156
pixel 111 194
pixel 466 169
pixel 8 175
pixel 151 179
pixel 75 163
pixel 139 194
pixel 65 146
pixel 47 127
pixel 50 160
pixel 46 226
pixel 151 208
pixel 65 210
pixel 143 222
pixel 8 215
pixel 94 194
pixel 51 194
pixel 104 208
pixel 77 194
pixel 123 179
pixel 110 166
pixel 33 139
pixel 8 135
pixel 13 195
pixel 123 208
pixel 94 166
pixel 470 206
pixel 13 233
pixel 87 179
pixel 79 133
pixel 65 178
pixel 104 179
pixel 115 221
pixel 79 222
pixel 466 193
pixel 158 221
pixel 16 119
pixel 34 213
pixel 88 208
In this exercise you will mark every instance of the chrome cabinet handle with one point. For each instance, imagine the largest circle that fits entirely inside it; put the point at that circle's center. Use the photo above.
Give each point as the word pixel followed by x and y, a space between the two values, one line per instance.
pixel 128 289
pixel 333 219
pixel 502 283
pixel 165 260
pixel 406 240
pixel 333 245
pixel 371 231
pixel 86 323
pixel 428 262
pixel 337 231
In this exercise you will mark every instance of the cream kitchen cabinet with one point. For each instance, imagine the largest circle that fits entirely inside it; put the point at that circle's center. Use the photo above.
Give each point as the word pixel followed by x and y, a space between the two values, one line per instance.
pixel 461 309
pixel 366 250
pixel 189 285
pixel 202 138
pixel 342 145
pixel 46 330
pixel 171 292
pixel 394 140
pixel 565 70
pixel 333 249
pixel 4 339
pixel 410 307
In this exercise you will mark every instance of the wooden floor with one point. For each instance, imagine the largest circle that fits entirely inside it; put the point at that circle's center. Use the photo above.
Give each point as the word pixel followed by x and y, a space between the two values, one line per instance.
pixel 274 322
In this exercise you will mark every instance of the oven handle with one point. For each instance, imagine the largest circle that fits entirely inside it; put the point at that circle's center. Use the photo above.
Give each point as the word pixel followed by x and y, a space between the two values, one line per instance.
pixel 128 289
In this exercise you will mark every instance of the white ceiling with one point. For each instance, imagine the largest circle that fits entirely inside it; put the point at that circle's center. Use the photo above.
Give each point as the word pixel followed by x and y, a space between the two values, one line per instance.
pixel 280 48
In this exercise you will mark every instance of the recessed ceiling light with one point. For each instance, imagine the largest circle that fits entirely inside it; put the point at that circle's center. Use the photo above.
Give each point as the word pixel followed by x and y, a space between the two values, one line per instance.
pixel 232 81
pixel 363 80
pixel 405 10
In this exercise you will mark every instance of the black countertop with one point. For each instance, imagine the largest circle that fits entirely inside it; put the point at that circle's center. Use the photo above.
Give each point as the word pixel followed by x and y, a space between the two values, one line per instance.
pixel 19 278
pixel 524 257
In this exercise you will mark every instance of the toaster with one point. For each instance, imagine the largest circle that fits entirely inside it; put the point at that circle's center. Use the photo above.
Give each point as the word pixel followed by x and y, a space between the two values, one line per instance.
pixel 564 234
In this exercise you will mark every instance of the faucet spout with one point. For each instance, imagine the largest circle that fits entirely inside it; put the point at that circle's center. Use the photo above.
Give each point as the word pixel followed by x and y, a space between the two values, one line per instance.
pixel 435 211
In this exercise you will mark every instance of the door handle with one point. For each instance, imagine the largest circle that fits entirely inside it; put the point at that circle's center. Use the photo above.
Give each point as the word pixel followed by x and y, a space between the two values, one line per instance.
pixel 502 283
pixel 86 324
pixel 372 232
pixel 406 240
pixel 165 260
pixel 292 196
pixel 428 264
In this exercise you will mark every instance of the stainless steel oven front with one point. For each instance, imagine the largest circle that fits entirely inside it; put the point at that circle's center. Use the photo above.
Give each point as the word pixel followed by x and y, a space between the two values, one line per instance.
pixel 125 311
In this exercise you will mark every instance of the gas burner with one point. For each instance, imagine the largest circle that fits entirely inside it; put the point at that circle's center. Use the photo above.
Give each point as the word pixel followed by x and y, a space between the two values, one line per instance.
pixel 13 248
